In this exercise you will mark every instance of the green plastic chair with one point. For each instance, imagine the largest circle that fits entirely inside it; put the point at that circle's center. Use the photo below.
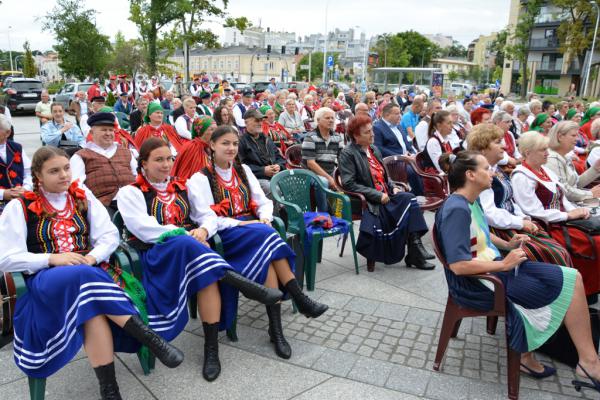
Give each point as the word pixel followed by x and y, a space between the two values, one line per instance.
pixel 16 282
pixel 291 188
pixel 123 120
pixel 166 115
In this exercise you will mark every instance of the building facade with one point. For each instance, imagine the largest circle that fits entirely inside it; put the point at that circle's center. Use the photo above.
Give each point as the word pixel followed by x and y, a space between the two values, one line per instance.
pixel 450 64
pixel 479 52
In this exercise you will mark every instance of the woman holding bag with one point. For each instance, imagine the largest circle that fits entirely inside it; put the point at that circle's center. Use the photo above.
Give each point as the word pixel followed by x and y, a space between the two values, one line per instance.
pixel 362 171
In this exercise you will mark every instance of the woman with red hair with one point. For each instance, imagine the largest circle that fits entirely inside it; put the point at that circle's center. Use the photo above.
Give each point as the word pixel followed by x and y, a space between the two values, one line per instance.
pixel 396 215
pixel 480 116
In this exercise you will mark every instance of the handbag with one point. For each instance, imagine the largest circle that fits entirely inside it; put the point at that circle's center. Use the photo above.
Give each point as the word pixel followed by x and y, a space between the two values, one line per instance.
pixel 560 347
pixel 591 226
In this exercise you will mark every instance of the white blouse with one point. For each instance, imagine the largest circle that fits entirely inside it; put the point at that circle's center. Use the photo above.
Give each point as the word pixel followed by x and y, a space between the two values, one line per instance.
pixel 524 183
pixel 181 126
pixel 202 194
pixel 14 256
pixel 435 150
pixel 145 227
pixel 499 217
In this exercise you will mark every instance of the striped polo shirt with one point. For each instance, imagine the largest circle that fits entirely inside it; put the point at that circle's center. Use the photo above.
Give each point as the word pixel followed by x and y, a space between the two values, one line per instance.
pixel 325 153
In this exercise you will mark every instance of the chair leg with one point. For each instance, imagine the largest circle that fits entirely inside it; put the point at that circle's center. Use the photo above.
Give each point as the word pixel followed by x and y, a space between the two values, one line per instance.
pixel 147 363
pixel 492 323
pixel 449 324
pixel 311 270
pixel 232 332
pixel 37 388
pixel 353 242
pixel 514 372
pixel 343 244
pixel 320 254
pixel 193 307
pixel 456 328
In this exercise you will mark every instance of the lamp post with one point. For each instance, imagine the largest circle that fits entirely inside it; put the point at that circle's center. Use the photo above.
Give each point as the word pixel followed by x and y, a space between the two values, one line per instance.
pixel 589 67
pixel 10 49
pixel 325 44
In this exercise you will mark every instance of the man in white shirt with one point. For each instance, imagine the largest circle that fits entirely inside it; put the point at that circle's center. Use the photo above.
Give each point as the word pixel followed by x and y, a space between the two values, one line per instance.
pixel 240 109
pixel 195 87
pixel 103 165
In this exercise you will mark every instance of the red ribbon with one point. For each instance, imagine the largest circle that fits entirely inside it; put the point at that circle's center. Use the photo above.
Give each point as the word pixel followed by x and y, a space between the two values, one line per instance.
pixel 36 205
pixel 76 191
pixel 222 208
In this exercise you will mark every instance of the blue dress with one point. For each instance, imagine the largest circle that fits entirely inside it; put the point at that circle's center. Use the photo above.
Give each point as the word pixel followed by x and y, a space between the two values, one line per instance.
pixel 538 294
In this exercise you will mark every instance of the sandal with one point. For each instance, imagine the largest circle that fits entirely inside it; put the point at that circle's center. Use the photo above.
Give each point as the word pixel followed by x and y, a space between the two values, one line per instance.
pixel 579 384
pixel 548 371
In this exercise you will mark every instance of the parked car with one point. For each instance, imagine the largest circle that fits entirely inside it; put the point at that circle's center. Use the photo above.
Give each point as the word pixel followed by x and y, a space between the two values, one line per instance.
pixel 22 94
pixel 295 87
pixel 67 93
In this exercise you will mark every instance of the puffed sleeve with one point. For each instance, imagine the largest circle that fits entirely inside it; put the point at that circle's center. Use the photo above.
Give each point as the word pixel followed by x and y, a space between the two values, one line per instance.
pixel 435 152
pixel 103 233
pixel 14 256
pixel 498 217
pixel 265 206
pixel 132 206
pixel 201 213
pixel 525 197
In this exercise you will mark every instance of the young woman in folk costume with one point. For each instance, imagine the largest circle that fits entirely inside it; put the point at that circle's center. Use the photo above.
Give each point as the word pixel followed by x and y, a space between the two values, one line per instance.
pixel 438 143
pixel 155 127
pixel 274 130
pixel 161 213
pixel 251 246
pixel 195 155
pixel 61 239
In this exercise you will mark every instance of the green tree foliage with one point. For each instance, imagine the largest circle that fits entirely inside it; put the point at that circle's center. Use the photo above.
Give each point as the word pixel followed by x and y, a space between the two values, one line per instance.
pixel 82 49
pixel 29 69
pixel 127 56
pixel 518 49
pixel 5 60
pixel 498 46
pixel 452 76
pixel 456 50
pixel 316 65
pixel 405 49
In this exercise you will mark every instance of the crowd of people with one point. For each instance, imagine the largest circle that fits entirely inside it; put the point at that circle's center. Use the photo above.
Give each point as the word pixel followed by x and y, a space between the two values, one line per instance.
pixel 522 186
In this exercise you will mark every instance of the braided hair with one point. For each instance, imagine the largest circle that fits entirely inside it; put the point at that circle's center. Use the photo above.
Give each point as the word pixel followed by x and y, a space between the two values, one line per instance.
pixel 237 165
pixel 40 157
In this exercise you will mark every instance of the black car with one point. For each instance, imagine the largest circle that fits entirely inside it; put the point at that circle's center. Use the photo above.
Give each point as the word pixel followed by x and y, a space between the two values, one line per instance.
pixel 22 94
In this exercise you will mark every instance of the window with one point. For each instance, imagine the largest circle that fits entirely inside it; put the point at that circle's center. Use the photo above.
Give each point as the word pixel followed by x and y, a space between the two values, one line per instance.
pixel 221 64
pixel 549 33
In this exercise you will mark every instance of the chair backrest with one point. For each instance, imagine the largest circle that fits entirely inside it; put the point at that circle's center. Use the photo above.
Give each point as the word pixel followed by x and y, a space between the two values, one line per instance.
pixel 420 159
pixel 293 157
pixel 117 220
pixel 123 120
pixel 396 168
pixel 293 186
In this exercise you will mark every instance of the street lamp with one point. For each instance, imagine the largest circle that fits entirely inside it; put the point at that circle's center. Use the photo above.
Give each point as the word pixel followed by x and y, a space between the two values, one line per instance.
pixel 325 44
pixel 9 48
pixel 589 67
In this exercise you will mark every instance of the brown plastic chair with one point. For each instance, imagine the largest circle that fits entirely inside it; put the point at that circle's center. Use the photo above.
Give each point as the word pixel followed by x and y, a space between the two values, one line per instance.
pixel 293 157
pixel 454 314
pixel 397 170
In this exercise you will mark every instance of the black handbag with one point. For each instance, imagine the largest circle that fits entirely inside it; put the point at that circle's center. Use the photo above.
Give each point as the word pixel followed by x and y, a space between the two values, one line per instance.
pixel 561 348
pixel 590 226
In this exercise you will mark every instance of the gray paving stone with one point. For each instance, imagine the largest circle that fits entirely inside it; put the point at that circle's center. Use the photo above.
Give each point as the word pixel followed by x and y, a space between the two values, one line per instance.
pixel 370 371
pixel 338 388
pixel 445 387
pixel 423 317
pixel 408 380
pixel 394 312
pixel 363 306
pixel 335 300
pixel 349 347
pixel 335 362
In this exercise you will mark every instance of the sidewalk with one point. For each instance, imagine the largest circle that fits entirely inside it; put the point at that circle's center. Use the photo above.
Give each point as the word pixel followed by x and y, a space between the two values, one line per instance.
pixel 377 341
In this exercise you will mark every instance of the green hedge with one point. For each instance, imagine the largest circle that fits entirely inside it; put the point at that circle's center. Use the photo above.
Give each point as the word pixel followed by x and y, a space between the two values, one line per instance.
pixel 54 87
pixel 545 90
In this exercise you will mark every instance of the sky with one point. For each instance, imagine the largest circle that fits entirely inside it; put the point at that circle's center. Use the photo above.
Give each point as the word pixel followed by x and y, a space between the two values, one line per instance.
pixel 464 20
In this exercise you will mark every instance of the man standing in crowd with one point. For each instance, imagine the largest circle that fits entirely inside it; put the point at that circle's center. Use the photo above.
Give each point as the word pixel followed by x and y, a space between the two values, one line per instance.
pixel 123 104
pixel 103 165
pixel 112 86
pixel 204 107
pixel 124 86
pixel 94 90
pixel 411 118
pixel 272 86
pixel 259 152
pixel 178 88
pixel 422 128
pixel 42 108
pixel 79 106
pixel 240 108
pixel 167 101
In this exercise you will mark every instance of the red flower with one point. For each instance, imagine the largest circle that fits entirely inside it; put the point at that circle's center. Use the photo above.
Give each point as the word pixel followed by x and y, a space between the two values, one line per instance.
pixel 17 157
pixel 12 174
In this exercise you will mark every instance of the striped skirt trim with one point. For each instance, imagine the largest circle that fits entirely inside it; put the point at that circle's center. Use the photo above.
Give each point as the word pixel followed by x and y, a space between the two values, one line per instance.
pixel 541 247
pixel 541 323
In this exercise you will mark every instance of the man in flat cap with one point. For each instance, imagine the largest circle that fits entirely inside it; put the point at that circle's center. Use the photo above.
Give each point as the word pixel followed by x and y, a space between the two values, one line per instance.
pixel 103 165
pixel 204 107
pixel 240 108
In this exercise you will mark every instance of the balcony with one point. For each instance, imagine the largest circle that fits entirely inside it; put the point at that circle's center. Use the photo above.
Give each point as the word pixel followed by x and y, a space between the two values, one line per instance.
pixel 550 43
pixel 550 66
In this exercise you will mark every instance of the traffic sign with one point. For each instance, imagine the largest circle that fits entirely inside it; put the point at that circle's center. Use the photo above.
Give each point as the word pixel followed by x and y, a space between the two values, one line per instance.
pixel 330 61
pixel 303 66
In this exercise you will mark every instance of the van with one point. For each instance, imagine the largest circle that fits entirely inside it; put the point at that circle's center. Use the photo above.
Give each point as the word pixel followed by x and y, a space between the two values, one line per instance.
pixel 461 88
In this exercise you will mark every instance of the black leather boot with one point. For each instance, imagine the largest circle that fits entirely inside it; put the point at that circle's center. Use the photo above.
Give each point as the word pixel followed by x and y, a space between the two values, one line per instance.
pixel 168 354
pixel 251 289
pixel 307 306
pixel 282 347
pixel 416 238
pixel 109 390
pixel 212 366
pixel 415 257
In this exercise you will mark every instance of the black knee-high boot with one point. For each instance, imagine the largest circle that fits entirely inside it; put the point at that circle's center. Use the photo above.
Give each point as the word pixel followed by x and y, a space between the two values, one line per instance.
pixel 282 347
pixel 168 354
pixel 414 255
pixel 307 306
pixel 109 389
pixel 212 366
pixel 251 289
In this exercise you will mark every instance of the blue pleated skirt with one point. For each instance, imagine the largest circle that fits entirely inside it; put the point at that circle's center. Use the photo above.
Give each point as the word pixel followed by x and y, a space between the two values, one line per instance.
pixel 249 249
pixel 175 270
pixel 49 318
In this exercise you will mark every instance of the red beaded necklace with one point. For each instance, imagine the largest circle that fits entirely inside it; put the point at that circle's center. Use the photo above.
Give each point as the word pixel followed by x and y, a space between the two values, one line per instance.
pixel 541 174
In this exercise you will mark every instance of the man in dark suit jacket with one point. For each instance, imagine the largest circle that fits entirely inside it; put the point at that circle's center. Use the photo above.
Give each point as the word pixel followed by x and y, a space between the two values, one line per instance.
pixel 391 141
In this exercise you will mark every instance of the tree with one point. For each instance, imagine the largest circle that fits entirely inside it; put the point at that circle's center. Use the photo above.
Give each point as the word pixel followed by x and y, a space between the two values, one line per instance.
pixel 518 49
pixel 316 65
pixel 498 46
pixel 405 49
pixel 456 50
pixel 127 56
pixel 452 76
pixel 82 48
pixel 29 70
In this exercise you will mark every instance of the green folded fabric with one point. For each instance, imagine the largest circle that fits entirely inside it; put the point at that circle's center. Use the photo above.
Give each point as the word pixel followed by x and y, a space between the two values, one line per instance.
pixel 173 233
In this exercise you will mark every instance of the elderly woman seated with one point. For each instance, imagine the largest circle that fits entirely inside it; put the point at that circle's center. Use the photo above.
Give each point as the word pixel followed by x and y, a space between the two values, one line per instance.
pixel 539 296
pixel 291 120
pixel 15 167
pixel 504 217
pixel 562 138
pixel 539 194
pixel 395 212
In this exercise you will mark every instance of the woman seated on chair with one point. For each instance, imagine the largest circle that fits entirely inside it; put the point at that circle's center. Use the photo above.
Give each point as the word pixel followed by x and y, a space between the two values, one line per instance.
pixel 244 216
pixel 274 130
pixel 438 143
pixel 469 248
pixel 504 217
pixel 161 213
pixel 539 194
pixel 15 166
pixel 156 127
pixel 362 171
pixel 61 238
pixel 195 155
